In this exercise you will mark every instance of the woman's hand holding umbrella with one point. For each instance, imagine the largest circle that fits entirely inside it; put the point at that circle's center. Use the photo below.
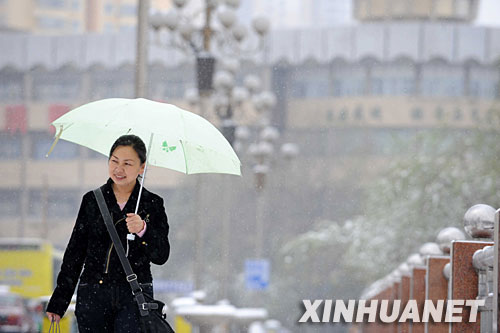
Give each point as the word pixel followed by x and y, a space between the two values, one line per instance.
pixel 134 223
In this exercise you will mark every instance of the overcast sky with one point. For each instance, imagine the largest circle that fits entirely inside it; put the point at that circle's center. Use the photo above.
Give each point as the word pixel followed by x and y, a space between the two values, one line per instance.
pixel 489 12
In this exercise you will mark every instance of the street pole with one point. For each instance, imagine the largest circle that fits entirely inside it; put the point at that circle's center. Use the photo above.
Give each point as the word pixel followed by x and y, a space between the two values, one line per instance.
pixel 204 95
pixel 24 186
pixel 142 49
pixel 259 215
pixel 207 30
pixel 198 242
pixel 260 172
pixel 45 206
pixel 226 234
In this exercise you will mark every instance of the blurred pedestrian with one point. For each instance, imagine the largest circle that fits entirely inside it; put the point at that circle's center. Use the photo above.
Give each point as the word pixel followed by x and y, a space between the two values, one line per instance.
pixel 104 298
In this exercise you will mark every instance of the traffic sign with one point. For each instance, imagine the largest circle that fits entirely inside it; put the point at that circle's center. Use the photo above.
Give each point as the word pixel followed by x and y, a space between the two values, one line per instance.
pixel 257 274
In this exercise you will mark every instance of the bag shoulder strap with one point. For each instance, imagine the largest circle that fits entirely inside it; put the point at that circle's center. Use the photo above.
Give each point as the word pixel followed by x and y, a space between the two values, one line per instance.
pixel 131 277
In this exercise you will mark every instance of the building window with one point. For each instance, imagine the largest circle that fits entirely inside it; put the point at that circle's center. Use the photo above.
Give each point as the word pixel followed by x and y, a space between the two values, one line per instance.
pixel 490 116
pixel 458 115
pixel 11 86
pixel 41 143
pixel 10 146
pixel 417 114
pixel 76 26
pixel 128 10
pixel 330 116
pixel 393 79
pixel 172 83
pixel 349 80
pixel 112 83
pixel 56 203
pixel 358 113
pixel 173 89
pixel 310 82
pixel 442 80
pixel 108 9
pixel 474 114
pixel 58 86
pixel 484 82
pixel 376 113
pixel 439 113
pixel 109 27
pixel 50 23
pixel 343 114
pixel 54 4
pixel 127 29
pixel 10 202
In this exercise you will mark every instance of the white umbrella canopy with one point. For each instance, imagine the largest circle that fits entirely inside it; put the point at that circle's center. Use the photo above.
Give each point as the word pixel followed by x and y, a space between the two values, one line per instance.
pixel 179 140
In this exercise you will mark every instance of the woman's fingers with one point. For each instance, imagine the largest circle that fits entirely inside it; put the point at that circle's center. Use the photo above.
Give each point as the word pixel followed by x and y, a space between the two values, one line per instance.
pixel 134 223
pixel 53 317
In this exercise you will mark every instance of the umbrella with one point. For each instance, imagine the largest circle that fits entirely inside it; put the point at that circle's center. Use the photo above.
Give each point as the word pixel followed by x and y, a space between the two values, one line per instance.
pixel 178 139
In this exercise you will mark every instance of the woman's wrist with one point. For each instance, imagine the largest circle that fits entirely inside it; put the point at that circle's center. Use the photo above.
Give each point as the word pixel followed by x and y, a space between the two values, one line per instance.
pixel 143 230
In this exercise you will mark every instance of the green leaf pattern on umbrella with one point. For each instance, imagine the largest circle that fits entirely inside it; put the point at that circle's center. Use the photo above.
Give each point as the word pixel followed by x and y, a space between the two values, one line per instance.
pixel 166 148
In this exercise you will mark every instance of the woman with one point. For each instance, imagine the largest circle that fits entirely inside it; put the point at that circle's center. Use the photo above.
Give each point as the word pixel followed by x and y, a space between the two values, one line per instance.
pixel 104 299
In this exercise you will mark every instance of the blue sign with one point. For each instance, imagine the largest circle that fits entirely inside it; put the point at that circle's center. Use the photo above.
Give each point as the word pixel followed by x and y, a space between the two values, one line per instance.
pixel 257 274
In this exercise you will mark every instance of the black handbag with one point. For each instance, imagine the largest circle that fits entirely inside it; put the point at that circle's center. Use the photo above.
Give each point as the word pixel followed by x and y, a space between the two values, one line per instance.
pixel 152 318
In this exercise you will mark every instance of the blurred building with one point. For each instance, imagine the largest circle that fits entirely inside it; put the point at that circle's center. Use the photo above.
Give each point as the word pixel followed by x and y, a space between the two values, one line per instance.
pixel 343 94
pixel 427 10
pixel 71 16
pixel 292 14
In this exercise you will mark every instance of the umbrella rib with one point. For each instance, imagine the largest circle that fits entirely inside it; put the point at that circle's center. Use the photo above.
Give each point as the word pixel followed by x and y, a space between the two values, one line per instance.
pixel 185 160
pixel 115 111
pixel 58 136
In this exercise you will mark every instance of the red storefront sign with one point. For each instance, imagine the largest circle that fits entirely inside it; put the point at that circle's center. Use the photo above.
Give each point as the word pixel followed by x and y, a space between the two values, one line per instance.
pixel 16 119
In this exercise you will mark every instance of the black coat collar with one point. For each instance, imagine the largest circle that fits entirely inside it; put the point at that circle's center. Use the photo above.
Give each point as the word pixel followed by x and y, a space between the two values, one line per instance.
pixel 110 198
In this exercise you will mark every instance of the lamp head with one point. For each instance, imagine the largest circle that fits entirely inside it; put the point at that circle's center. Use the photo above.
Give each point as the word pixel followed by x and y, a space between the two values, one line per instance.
pixel 261 25
pixel 227 17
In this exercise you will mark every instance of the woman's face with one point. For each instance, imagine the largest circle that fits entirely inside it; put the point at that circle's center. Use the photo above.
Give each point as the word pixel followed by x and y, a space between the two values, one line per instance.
pixel 125 166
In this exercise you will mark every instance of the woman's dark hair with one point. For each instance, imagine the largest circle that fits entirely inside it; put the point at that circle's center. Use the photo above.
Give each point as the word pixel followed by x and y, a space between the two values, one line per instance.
pixel 133 141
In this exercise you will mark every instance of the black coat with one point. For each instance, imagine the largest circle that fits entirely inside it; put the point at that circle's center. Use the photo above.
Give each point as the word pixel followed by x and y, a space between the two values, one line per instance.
pixel 90 246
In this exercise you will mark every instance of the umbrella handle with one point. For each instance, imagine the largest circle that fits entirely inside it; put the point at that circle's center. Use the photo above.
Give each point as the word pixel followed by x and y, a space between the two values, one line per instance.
pixel 55 142
pixel 132 236
pixel 144 174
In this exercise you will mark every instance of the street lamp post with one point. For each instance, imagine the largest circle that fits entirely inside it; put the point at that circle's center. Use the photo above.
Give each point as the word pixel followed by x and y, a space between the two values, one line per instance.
pixel 263 151
pixel 142 50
